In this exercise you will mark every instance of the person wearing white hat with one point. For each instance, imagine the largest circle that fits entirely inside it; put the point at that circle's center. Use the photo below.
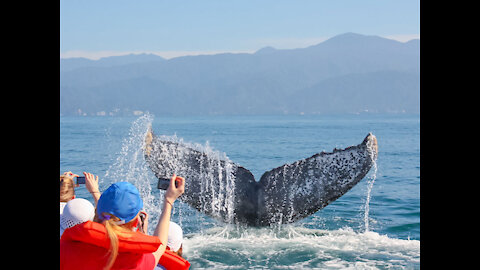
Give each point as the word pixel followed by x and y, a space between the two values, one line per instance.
pixel 76 211
pixel 175 238
pixel 174 243
pixel 67 187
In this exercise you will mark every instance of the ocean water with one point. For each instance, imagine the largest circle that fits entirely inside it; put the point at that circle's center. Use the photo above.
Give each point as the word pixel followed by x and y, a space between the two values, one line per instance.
pixel 376 225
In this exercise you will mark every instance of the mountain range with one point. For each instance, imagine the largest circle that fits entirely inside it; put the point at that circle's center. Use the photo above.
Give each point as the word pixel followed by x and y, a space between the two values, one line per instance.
pixel 349 73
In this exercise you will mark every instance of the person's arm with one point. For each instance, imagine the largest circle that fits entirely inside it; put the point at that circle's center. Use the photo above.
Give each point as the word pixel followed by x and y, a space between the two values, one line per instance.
pixel 161 231
pixel 91 183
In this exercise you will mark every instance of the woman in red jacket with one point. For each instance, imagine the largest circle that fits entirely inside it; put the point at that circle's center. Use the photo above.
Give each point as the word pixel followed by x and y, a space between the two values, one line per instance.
pixel 115 243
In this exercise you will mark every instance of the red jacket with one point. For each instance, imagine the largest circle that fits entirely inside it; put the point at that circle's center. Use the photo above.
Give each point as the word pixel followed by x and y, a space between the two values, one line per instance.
pixel 86 246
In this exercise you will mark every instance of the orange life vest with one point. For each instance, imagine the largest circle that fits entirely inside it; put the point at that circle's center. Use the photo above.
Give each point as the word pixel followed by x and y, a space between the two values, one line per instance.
pixel 170 260
pixel 86 246
pixel 95 234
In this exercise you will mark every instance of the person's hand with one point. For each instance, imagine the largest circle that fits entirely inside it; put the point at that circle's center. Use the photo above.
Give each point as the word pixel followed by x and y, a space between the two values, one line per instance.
pixel 70 174
pixel 174 191
pixel 91 183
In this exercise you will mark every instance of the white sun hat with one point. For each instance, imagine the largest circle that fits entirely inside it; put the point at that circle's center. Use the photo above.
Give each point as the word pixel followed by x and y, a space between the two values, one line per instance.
pixel 175 236
pixel 76 211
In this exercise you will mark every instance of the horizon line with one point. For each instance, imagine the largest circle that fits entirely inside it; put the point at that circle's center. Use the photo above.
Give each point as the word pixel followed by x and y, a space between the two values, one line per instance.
pixel 96 55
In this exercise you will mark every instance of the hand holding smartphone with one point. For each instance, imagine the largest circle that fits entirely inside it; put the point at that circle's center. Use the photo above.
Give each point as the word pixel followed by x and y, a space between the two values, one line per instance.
pixel 172 193
pixel 164 182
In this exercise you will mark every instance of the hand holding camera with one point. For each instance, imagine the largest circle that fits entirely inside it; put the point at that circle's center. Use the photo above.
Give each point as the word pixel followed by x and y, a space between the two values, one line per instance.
pixel 174 186
pixel 89 180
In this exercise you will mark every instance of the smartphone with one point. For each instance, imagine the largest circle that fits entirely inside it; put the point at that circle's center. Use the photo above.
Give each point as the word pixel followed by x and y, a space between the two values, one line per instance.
pixel 80 179
pixel 163 183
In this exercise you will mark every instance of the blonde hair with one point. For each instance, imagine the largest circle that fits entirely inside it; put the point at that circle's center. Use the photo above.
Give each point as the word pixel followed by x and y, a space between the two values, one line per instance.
pixel 67 188
pixel 113 230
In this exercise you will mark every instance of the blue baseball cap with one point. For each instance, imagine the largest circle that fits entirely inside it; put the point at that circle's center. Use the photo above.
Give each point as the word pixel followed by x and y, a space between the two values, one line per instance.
pixel 121 199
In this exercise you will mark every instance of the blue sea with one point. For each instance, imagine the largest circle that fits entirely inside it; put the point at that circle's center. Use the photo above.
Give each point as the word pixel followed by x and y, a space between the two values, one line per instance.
pixel 376 225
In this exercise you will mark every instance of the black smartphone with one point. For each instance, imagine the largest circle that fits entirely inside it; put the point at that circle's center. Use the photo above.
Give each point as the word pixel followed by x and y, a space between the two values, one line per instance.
pixel 80 179
pixel 163 183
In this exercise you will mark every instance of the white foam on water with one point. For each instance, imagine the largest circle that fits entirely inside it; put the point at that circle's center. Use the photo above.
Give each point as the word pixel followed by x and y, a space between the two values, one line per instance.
pixel 297 248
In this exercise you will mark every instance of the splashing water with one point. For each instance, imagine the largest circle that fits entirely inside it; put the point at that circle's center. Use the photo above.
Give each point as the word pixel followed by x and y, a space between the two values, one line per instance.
pixel 370 182
pixel 213 181
pixel 130 165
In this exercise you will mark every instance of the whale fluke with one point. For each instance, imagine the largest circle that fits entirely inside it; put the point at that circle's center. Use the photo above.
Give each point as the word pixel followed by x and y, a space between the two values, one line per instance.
pixel 226 191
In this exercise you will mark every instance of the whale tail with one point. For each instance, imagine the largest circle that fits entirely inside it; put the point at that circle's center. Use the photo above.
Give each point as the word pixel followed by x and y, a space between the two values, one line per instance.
pixel 224 190
pixel 300 189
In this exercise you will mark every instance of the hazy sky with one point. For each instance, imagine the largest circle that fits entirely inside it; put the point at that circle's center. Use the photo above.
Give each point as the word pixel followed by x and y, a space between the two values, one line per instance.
pixel 99 28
